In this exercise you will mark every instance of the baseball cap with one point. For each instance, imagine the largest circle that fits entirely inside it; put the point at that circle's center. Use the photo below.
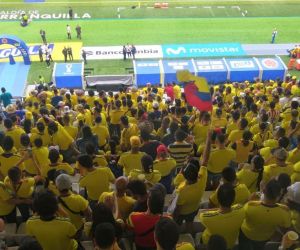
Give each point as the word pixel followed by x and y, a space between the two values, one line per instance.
pixel 293 193
pixel 63 181
pixel 280 154
pixel 135 141
pixel 155 105
pixel 28 115
pixel 161 149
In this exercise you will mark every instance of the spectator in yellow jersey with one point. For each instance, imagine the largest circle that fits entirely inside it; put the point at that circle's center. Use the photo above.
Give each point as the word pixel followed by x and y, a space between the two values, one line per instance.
pixel 72 130
pixel 132 159
pixel 99 160
pixel 94 180
pixel 8 159
pixel 242 193
pixel 251 175
pixel 263 218
pixel 102 133
pixel 40 153
pixel 224 221
pixel 14 132
pixel 128 130
pixel 281 166
pixel 166 166
pixel 237 134
pixel 51 231
pixel 75 205
pixel 147 173
pixel 219 158
pixel 40 132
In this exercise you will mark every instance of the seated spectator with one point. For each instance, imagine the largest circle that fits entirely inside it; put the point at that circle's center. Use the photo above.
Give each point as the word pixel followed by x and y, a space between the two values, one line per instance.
pixel 127 132
pixel 138 190
pixel 125 203
pixel 263 218
pixel 101 131
pixel 98 159
pixel 51 232
pixel 75 205
pixel 165 165
pixel 281 166
pixel 105 237
pixel 166 236
pixel 87 137
pixel 251 175
pixel 293 202
pixel 29 243
pixel 147 173
pixel 149 146
pixel 132 159
pixel 224 221
pixel 143 224
pixel 169 138
pixel 242 193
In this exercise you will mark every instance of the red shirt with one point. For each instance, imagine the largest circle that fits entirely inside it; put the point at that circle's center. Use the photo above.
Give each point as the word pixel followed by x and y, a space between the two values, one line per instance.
pixel 143 226
pixel 170 92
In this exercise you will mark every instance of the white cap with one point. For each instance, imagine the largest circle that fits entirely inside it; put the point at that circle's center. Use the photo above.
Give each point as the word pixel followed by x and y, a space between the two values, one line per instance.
pixel 294 192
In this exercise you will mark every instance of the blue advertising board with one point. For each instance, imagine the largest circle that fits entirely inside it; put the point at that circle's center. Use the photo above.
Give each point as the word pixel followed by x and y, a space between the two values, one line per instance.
pixel 242 69
pixel 202 50
pixel 147 71
pixel 68 75
pixel 215 70
pixel 272 68
pixel 170 67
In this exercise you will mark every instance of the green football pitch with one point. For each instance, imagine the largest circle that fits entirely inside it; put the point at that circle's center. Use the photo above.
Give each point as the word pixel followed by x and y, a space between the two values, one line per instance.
pixel 137 22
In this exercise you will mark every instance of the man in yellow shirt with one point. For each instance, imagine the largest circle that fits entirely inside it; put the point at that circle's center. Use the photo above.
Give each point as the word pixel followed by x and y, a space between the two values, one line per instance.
pixel 132 160
pixel 224 221
pixel 50 231
pixel 263 218
pixel 237 135
pixel 75 205
pixel 242 193
pixel 101 131
pixel 94 180
pixel 127 132
pixel 14 132
pixel 281 166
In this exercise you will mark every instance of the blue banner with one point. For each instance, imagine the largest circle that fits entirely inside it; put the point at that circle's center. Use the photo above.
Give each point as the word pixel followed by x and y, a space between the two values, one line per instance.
pixel 68 75
pixel 202 50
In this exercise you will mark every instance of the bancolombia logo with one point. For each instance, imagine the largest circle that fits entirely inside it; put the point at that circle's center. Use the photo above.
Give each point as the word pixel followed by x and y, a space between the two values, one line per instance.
pixel 116 52
pixel 32 50
pixel 35 14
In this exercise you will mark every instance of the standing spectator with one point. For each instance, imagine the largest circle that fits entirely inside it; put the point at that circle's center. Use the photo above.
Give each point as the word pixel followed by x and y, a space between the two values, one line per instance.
pixel 128 50
pixel 274 34
pixel 84 56
pixel 43 35
pixel 41 54
pixel 70 13
pixel 78 31
pixel 5 97
pixel 49 51
pixel 65 53
pixel 70 53
pixel 133 51
pixel 69 31
pixel 124 52
pixel 149 146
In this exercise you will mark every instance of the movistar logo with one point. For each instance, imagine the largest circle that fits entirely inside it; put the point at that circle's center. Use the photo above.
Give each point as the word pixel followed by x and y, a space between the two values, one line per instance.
pixel 177 51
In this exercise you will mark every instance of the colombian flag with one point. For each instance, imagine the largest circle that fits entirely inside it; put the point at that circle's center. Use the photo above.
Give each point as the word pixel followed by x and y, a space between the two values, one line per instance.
pixel 196 90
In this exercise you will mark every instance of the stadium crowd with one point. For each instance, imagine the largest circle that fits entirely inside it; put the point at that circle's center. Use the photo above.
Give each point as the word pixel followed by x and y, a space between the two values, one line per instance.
pixel 141 167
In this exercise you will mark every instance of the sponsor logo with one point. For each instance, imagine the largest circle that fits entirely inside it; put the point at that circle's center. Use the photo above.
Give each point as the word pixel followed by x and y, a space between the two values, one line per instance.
pixel 179 65
pixel 202 50
pixel 242 64
pixel 35 14
pixel 116 52
pixel 16 52
pixel 269 63
pixel 210 65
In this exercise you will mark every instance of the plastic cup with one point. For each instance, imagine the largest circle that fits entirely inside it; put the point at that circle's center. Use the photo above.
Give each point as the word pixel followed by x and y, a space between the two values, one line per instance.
pixel 293 236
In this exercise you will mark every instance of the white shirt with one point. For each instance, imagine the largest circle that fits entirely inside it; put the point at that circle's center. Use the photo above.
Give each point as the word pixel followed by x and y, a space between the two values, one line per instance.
pixel 68 29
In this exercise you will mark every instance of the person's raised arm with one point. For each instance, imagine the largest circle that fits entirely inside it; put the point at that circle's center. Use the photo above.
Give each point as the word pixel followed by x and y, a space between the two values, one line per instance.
pixel 207 149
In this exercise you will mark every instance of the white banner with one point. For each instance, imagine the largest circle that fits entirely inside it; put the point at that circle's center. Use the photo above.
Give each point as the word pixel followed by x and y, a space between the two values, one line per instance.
pixel 116 52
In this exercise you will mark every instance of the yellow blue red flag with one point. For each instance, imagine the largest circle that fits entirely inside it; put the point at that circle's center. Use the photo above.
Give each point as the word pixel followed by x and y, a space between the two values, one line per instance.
pixel 196 90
